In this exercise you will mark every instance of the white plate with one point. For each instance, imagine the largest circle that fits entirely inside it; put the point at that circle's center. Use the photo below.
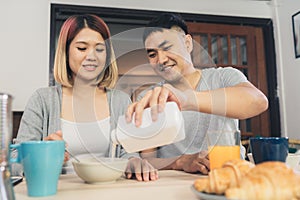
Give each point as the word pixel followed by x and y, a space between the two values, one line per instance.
pixel 206 196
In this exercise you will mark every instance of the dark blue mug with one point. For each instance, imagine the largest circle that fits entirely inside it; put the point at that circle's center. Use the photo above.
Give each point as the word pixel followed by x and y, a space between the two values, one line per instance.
pixel 269 149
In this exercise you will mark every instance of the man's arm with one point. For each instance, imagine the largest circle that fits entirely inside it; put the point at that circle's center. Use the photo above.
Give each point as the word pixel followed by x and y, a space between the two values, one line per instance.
pixel 191 163
pixel 241 101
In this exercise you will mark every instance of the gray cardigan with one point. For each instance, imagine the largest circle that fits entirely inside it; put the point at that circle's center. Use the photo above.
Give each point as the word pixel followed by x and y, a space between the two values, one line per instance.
pixel 43 110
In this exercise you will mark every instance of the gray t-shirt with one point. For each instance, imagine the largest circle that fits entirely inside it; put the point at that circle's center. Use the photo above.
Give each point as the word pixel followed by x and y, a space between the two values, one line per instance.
pixel 198 124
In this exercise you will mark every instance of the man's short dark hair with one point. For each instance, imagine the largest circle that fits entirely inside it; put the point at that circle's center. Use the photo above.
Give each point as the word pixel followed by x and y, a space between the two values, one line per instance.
pixel 164 21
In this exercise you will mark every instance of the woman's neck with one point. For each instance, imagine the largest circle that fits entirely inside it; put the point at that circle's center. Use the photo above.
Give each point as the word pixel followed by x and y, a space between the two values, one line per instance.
pixel 83 90
pixel 84 103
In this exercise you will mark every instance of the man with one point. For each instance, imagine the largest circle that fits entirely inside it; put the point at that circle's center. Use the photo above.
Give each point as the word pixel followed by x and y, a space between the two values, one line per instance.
pixel 210 99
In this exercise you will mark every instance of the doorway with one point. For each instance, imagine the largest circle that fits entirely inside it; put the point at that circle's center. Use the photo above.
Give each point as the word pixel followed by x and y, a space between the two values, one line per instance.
pixel 240 47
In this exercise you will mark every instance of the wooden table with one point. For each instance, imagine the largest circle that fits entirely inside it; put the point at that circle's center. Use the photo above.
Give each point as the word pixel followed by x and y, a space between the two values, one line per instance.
pixel 170 185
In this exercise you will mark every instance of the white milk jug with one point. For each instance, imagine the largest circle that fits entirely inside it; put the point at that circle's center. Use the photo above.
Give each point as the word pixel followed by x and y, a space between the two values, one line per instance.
pixel 167 129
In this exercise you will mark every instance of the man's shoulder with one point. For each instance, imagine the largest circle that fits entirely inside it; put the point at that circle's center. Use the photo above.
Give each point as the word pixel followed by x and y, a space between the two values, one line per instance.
pixel 222 72
pixel 222 76
pixel 215 70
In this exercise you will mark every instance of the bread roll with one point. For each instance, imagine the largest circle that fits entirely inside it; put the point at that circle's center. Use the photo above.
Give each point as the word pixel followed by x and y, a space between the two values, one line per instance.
pixel 267 181
pixel 219 180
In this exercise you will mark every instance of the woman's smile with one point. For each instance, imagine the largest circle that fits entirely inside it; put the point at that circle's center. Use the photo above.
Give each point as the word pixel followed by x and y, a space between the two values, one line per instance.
pixel 90 67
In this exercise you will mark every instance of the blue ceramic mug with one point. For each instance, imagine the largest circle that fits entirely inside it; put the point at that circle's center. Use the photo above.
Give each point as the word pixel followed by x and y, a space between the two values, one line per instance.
pixel 42 164
pixel 269 149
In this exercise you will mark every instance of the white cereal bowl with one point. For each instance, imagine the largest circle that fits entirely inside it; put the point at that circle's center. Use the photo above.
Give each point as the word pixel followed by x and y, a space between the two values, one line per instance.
pixel 100 170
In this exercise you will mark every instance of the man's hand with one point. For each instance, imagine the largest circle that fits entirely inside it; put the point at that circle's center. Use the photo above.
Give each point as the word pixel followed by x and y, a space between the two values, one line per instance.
pixel 193 163
pixel 156 99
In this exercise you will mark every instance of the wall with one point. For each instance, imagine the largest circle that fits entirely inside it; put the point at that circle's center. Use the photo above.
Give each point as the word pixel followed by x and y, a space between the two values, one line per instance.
pixel 25 43
pixel 25 35
pixel 288 67
pixel 24 53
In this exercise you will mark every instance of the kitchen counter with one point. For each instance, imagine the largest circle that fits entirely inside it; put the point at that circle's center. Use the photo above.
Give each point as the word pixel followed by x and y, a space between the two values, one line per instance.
pixel 170 185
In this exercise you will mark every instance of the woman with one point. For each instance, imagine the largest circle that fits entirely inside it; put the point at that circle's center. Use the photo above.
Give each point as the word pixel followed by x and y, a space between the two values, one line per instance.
pixel 82 108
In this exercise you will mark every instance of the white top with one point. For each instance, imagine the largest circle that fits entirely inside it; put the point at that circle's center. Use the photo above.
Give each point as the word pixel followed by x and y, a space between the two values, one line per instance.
pixel 85 139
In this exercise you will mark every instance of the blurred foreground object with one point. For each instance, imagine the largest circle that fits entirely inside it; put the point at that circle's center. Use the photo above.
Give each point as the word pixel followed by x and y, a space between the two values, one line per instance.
pixel 6 190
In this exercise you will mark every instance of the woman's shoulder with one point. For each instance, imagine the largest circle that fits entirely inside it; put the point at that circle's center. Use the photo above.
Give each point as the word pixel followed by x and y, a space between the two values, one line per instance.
pixel 44 96
pixel 117 93
pixel 49 89
pixel 47 92
pixel 118 98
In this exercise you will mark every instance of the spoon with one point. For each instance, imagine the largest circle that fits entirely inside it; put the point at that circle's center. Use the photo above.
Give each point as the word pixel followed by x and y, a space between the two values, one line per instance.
pixel 72 155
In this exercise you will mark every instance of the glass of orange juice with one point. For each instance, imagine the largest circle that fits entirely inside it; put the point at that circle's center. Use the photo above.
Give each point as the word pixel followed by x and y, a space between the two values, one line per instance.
pixel 223 146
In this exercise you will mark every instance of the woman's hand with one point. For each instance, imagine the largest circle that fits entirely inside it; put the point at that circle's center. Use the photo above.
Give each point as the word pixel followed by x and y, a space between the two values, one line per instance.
pixel 54 136
pixel 58 136
pixel 141 169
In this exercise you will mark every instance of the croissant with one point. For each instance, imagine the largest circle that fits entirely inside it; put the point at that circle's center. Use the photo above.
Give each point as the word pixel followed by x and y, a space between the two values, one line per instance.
pixel 218 180
pixel 269 180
